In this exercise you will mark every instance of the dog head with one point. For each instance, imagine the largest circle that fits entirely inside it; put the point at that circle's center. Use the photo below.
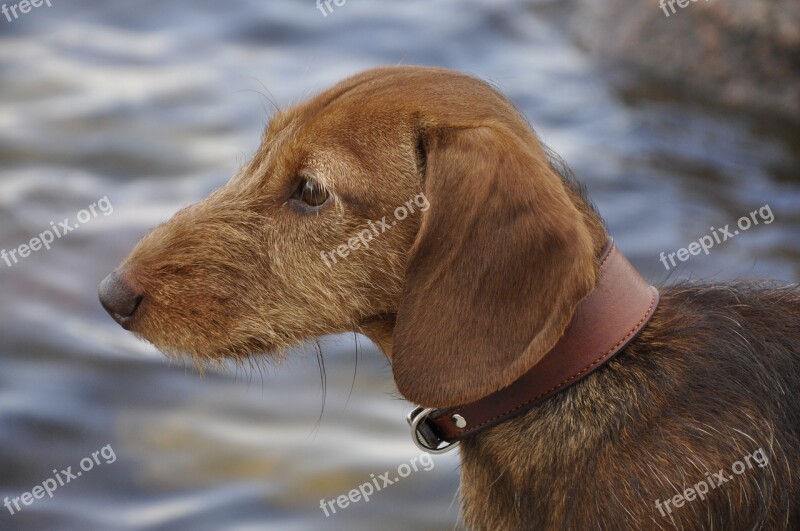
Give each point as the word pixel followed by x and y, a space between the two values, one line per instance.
pixel 413 204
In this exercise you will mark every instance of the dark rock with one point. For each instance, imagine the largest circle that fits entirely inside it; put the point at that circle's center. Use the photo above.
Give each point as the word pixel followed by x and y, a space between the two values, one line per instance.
pixel 741 53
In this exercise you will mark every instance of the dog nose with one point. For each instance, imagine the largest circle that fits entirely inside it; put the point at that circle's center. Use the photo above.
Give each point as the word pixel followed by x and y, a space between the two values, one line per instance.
pixel 118 298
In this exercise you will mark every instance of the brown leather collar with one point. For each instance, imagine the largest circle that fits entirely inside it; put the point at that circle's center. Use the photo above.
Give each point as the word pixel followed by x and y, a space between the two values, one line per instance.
pixel 604 322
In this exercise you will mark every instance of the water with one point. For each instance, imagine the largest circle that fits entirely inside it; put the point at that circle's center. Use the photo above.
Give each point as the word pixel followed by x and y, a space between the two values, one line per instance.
pixel 152 105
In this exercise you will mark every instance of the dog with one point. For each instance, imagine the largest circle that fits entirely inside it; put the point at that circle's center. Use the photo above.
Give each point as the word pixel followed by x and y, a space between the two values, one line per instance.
pixel 471 293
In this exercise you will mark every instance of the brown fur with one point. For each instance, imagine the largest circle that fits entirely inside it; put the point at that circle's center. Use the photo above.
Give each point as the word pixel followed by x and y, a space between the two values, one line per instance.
pixel 467 296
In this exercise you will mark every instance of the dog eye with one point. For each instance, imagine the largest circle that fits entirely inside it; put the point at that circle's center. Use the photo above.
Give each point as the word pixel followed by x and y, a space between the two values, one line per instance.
pixel 311 193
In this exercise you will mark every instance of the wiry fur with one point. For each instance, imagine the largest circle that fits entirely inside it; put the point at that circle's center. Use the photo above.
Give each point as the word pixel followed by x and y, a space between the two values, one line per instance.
pixel 469 295
pixel 714 377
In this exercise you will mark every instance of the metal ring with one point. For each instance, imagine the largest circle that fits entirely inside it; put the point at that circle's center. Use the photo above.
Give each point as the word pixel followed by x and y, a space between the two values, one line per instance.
pixel 414 418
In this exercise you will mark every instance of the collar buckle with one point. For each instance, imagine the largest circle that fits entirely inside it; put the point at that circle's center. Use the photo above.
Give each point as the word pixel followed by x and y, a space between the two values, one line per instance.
pixel 423 435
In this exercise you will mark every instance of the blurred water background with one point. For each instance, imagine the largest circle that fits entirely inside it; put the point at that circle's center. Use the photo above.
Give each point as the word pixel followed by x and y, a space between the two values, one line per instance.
pixel 154 104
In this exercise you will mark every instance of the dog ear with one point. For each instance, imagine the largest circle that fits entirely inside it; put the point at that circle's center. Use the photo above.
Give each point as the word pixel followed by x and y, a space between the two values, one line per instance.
pixel 501 259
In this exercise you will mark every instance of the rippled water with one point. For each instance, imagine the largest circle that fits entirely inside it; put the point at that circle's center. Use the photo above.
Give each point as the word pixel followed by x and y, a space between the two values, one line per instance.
pixel 154 104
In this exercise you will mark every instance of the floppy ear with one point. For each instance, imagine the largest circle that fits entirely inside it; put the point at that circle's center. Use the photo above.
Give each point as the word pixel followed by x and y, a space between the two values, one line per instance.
pixel 501 259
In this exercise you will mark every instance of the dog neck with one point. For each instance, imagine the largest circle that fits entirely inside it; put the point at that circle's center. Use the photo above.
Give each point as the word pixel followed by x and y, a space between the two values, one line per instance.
pixel 603 324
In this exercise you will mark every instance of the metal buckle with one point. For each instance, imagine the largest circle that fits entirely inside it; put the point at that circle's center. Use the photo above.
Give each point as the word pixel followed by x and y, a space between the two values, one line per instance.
pixel 416 417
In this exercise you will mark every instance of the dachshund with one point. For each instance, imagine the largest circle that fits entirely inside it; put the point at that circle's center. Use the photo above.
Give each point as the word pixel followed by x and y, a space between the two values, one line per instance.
pixel 470 293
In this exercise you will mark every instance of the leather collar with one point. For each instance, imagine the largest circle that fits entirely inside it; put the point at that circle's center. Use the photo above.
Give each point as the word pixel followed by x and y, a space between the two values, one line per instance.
pixel 604 323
